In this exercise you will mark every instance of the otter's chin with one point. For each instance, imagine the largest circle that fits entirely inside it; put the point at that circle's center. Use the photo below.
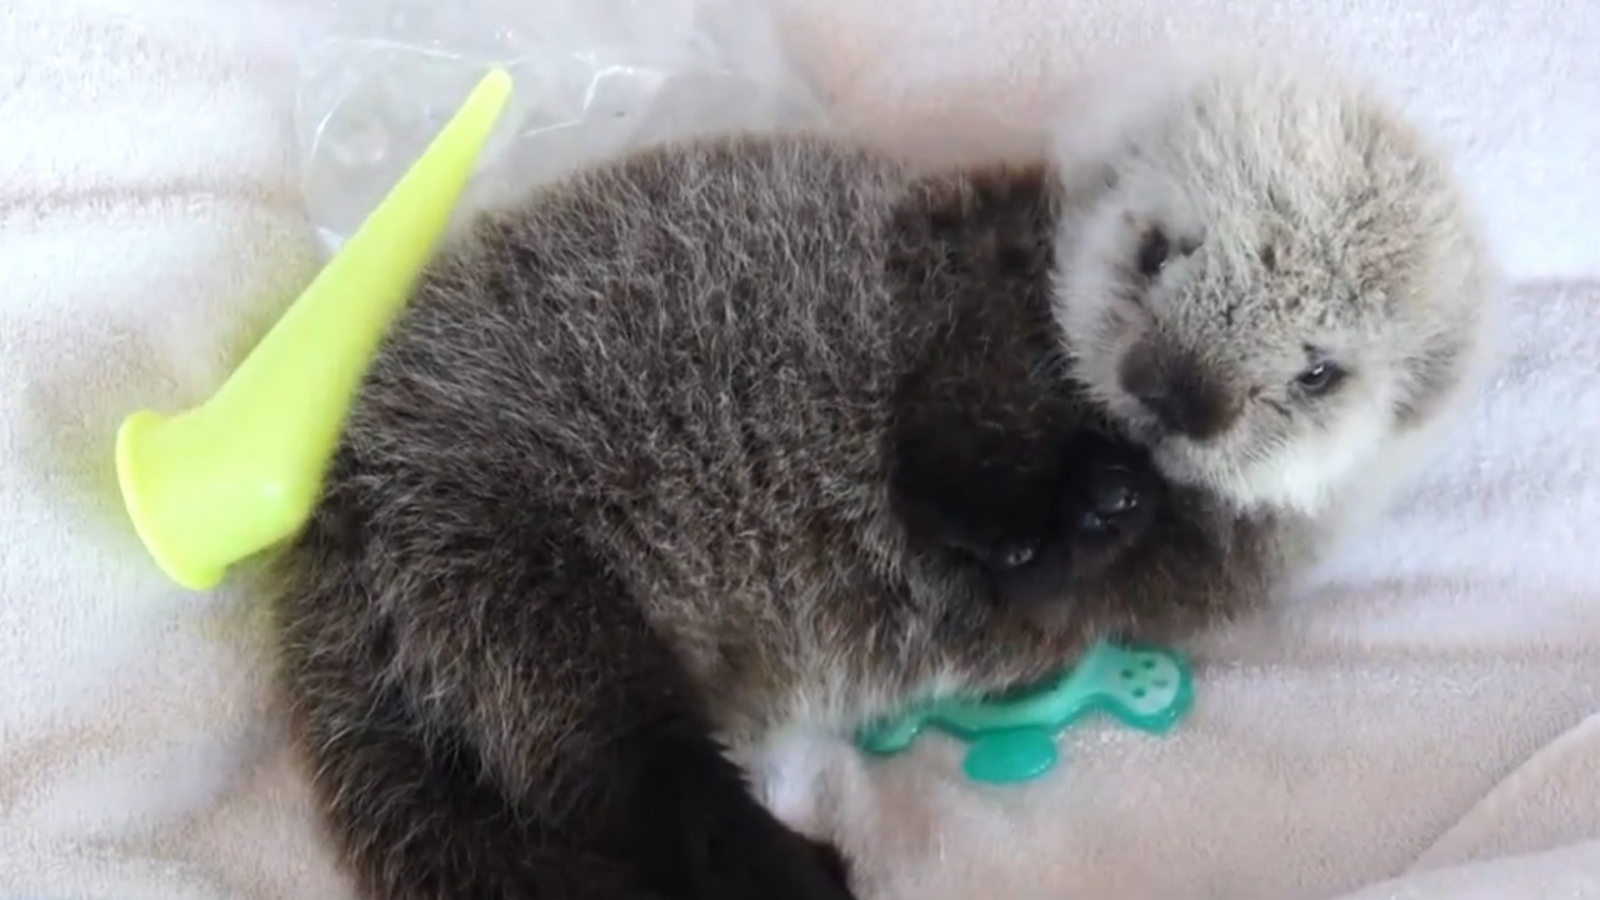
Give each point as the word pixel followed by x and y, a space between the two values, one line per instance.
pixel 1212 469
pixel 1183 463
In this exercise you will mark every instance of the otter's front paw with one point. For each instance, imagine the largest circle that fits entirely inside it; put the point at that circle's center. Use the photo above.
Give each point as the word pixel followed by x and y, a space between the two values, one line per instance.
pixel 1107 509
pixel 1113 500
pixel 999 552
pixel 1103 505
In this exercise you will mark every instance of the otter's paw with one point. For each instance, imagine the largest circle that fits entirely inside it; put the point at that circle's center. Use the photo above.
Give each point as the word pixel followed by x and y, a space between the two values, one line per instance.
pixel 1002 553
pixel 1112 503
pixel 1106 510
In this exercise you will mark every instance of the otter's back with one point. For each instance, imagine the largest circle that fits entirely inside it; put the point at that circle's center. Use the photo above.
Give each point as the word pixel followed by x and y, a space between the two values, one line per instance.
pixel 687 351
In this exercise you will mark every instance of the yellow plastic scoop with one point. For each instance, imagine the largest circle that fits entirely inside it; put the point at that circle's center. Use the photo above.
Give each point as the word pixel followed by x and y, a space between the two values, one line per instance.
pixel 234 476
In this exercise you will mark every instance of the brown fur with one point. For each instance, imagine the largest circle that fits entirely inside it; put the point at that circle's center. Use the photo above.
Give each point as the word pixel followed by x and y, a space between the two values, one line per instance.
pixel 688 447
pixel 624 465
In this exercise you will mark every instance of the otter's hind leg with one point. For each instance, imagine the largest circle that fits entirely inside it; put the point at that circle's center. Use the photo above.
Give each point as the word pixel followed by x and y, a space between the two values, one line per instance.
pixel 414 817
pixel 530 738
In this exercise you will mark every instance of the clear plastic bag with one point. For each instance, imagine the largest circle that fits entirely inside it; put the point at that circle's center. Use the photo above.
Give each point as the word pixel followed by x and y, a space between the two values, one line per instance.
pixel 592 78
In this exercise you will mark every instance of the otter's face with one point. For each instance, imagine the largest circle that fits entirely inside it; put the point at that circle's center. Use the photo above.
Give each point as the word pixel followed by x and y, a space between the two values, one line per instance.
pixel 1267 281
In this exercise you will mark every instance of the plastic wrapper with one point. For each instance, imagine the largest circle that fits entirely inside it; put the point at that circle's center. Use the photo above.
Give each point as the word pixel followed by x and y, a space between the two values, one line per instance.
pixel 592 78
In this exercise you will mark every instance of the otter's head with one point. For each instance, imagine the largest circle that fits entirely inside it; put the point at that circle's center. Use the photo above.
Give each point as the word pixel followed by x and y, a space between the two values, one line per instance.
pixel 1267 279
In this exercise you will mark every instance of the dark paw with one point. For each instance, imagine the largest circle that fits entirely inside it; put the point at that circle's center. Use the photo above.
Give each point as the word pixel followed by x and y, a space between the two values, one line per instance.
pixel 999 553
pixel 1011 556
pixel 1111 508
pixel 1112 499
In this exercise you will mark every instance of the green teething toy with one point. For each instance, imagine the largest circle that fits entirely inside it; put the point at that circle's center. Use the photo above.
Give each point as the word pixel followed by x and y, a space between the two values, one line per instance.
pixel 1012 736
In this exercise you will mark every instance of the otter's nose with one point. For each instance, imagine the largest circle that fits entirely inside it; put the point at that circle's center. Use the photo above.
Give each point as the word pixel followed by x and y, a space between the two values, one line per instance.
pixel 1173 386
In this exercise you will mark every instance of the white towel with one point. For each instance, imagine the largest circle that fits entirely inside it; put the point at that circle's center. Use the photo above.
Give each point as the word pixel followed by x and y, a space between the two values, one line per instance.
pixel 150 226
pixel 1428 710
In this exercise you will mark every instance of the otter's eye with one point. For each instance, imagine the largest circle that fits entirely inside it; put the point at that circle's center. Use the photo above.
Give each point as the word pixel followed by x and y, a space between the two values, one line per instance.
pixel 1320 378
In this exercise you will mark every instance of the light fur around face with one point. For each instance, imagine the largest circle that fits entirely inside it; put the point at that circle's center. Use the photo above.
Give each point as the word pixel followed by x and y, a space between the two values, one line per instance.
pixel 1282 267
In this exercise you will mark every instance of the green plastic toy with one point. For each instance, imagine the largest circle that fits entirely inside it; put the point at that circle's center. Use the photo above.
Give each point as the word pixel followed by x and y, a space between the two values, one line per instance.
pixel 1012 737
pixel 241 472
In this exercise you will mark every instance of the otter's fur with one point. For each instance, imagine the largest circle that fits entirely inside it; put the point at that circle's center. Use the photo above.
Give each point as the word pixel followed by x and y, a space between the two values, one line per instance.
pixel 677 451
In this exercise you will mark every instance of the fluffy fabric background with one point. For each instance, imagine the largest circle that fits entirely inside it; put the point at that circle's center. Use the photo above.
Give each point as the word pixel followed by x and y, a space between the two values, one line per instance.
pixel 1427 725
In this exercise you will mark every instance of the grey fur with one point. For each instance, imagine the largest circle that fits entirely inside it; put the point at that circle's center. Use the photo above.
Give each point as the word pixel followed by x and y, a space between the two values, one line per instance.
pixel 626 460
pixel 1307 221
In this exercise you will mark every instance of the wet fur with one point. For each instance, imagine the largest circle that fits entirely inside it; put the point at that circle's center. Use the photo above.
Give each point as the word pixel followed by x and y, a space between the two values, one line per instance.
pixel 676 453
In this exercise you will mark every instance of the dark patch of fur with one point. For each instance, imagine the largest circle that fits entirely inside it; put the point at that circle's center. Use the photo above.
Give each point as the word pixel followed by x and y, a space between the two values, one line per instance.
pixel 617 489
pixel 994 454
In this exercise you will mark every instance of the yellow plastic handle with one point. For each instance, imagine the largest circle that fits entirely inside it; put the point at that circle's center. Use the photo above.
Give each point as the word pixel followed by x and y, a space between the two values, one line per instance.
pixel 241 472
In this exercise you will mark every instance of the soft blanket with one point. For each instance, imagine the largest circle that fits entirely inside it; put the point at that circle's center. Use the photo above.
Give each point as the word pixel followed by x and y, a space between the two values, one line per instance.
pixel 1422 726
